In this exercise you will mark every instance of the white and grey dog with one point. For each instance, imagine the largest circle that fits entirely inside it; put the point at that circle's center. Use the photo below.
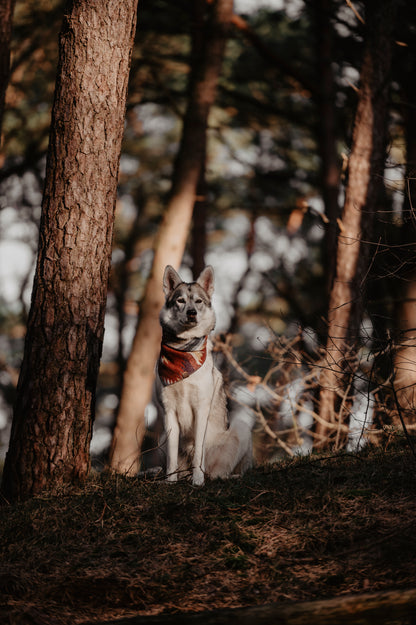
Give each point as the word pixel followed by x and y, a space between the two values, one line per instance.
pixel 191 388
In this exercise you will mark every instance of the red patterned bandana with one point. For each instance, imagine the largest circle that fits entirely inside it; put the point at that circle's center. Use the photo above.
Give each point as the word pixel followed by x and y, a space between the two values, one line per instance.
pixel 175 365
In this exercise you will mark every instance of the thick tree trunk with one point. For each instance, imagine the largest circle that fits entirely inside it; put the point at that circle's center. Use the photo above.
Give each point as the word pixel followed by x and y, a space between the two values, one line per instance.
pixel 208 50
pixel 53 415
pixel 353 254
pixel 6 21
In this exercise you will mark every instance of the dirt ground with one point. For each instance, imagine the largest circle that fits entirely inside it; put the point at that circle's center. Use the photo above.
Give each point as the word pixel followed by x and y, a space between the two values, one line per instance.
pixel 306 529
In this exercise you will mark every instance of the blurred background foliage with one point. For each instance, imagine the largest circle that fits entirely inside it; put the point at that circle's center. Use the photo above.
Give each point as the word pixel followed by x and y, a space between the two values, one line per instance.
pixel 265 221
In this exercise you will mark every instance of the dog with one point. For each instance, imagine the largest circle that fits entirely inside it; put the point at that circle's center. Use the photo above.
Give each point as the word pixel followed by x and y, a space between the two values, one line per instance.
pixel 191 388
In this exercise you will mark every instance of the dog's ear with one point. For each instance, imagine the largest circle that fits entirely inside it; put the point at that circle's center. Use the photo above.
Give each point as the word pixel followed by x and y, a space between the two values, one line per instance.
pixel 206 280
pixel 171 280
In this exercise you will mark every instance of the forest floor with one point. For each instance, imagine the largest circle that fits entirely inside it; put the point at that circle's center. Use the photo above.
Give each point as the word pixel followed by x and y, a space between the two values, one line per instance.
pixel 305 529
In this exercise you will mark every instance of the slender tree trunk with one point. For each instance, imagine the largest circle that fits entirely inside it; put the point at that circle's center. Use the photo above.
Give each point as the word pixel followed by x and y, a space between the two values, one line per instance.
pixel 6 22
pixel 199 227
pixel 120 287
pixel 405 355
pixel 325 99
pixel 353 254
pixel 207 54
pixel 53 415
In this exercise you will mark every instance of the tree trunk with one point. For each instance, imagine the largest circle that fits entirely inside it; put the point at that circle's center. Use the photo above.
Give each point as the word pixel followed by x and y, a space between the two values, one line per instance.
pixel 353 254
pixel 207 52
pixel 199 227
pixel 325 100
pixel 405 356
pixel 53 415
pixel 6 22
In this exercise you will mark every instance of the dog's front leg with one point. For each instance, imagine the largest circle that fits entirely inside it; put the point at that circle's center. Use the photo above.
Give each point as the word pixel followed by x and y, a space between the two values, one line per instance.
pixel 198 470
pixel 172 432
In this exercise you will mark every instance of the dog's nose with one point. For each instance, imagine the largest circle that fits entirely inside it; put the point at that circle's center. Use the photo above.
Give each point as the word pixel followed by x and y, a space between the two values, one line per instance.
pixel 191 313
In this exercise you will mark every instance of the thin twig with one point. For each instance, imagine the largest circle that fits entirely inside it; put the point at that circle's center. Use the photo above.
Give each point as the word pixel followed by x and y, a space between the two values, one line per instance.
pixel 354 10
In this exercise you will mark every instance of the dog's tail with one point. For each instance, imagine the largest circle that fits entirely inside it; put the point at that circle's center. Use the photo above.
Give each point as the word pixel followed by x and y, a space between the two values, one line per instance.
pixel 232 451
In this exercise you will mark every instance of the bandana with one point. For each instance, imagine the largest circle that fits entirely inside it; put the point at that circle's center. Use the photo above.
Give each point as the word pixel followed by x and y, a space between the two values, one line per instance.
pixel 175 365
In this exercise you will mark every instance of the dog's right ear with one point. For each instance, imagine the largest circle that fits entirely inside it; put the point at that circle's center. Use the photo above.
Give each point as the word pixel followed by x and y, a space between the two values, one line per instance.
pixel 171 280
pixel 206 280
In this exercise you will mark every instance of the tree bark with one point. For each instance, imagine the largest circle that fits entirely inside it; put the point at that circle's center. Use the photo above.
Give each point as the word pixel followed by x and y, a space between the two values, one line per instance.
pixel 353 253
pixel 207 53
pixel 325 100
pixel 199 227
pixel 53 415
pixel 6 22
pixel 405 353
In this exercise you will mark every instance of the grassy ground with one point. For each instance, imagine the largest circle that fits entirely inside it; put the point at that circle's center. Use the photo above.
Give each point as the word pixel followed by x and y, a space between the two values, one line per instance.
pixel 306 529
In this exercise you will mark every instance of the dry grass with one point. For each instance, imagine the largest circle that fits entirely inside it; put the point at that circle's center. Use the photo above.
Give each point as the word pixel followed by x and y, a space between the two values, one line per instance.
pixel 306 529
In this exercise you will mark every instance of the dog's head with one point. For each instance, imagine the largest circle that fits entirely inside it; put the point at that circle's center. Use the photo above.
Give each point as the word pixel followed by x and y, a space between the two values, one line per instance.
pixel 188 312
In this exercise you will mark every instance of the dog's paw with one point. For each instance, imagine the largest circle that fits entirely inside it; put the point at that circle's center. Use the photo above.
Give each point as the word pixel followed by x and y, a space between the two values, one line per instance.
pixel 172 478
pixel 198 477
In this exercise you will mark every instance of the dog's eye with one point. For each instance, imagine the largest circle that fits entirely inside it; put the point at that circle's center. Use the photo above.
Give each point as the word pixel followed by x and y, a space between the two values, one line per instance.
pixel 180 300
pixel 198 301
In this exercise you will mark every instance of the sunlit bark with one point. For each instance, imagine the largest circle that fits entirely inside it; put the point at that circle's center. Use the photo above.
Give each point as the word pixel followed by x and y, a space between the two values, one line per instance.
pixel 208 50
pixel 354 247
pixel 405 355
pixel 53 415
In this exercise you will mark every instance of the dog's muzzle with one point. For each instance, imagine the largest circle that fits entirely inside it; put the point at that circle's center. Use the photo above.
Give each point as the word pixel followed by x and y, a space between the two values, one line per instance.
pixel 191 314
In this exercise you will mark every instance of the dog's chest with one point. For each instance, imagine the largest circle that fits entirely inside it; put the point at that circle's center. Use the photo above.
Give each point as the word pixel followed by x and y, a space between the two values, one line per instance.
pixel 189 396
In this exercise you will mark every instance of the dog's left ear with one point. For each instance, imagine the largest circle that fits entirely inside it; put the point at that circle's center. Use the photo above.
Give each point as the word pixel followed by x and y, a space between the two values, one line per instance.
pixel 171 279
pixel 206 280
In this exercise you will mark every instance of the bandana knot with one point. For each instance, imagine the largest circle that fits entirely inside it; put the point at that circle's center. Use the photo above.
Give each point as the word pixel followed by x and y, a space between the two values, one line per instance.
pixel 175 365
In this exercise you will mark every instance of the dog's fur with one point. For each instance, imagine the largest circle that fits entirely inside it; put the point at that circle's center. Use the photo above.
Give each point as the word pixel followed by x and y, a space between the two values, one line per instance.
pixel 195 413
